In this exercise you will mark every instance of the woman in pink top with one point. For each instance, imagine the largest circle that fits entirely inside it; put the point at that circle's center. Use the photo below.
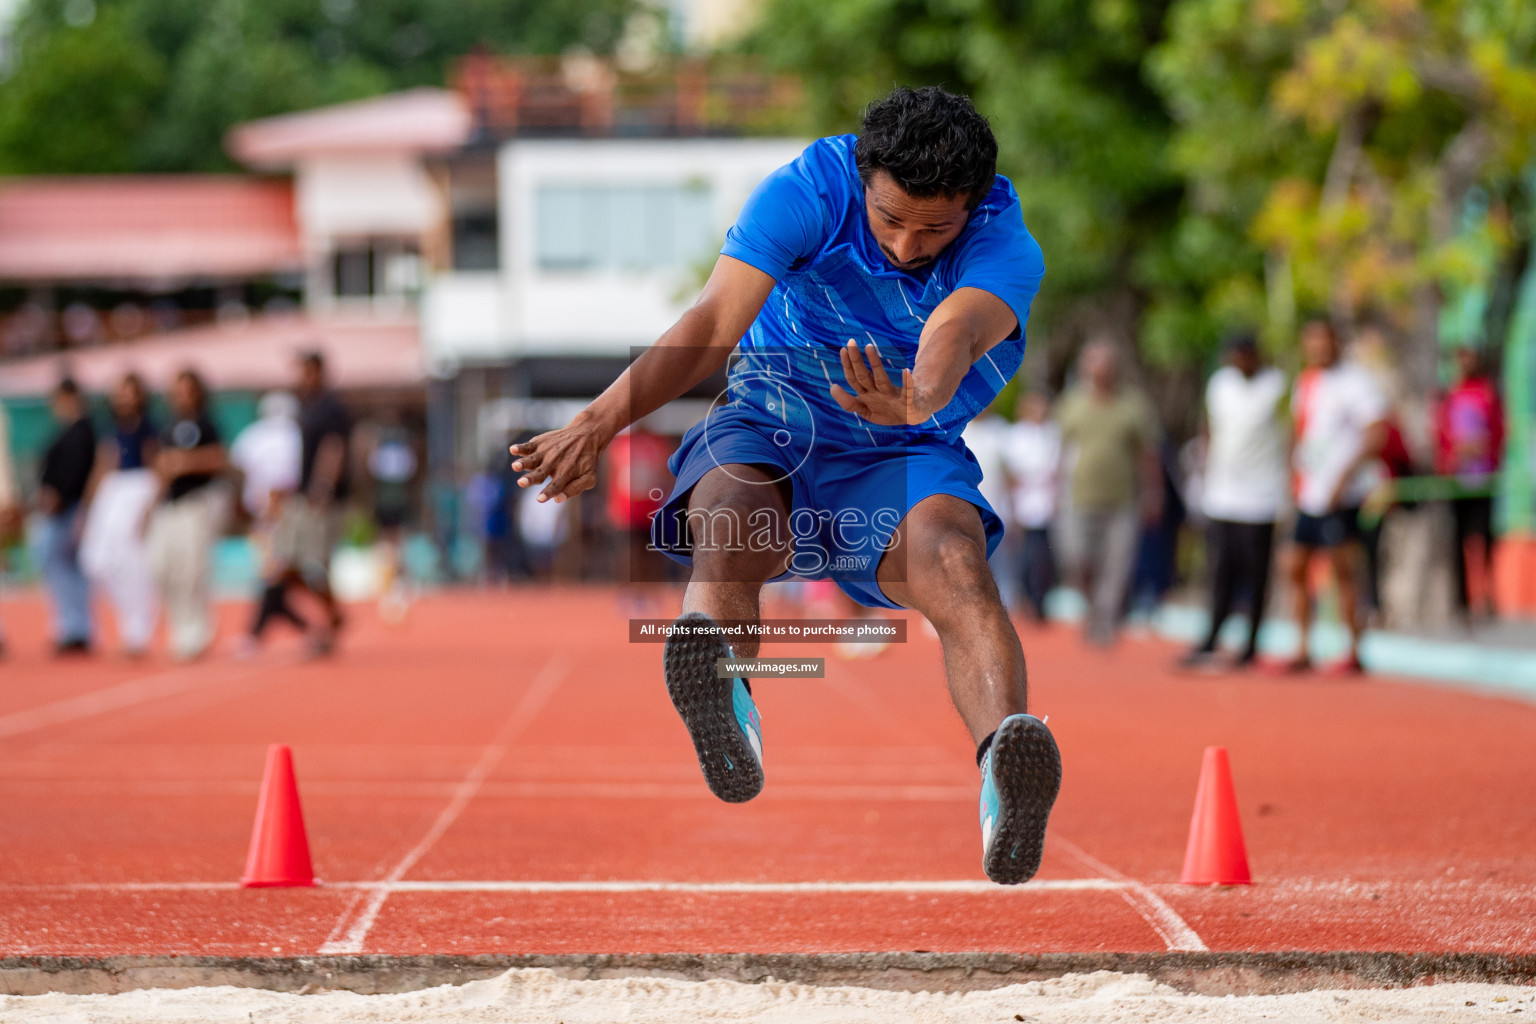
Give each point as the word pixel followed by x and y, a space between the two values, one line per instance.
pixel 1469 427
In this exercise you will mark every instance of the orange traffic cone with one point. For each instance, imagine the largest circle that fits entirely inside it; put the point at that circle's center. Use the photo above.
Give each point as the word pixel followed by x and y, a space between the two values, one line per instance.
pixel 279 853
pixel 1216 854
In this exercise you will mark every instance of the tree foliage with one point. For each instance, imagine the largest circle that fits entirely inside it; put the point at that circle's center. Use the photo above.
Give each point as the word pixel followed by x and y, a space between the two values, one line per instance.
pixel 1189 166
pixel 1081 132
pixel 153 85
pixel 93 88
pixel 1345 139
pixel 1217 163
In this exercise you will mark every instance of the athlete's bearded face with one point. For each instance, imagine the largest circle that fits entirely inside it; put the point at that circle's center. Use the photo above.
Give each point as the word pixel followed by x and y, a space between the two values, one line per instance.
pixel 911 232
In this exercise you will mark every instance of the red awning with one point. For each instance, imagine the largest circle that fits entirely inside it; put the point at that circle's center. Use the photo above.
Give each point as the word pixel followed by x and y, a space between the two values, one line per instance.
pixel 141 228
pixel 360 352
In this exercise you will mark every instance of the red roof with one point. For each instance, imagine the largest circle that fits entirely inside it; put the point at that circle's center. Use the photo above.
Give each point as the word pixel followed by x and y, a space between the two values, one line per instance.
pixel 424 120
pixel 361 351
pixel 154 228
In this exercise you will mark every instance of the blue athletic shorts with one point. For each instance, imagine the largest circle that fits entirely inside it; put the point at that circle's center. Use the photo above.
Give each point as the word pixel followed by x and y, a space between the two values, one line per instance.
pixel 846 501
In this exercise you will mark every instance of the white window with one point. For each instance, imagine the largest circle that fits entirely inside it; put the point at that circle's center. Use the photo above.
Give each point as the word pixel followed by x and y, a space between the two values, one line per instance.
pixel 622 227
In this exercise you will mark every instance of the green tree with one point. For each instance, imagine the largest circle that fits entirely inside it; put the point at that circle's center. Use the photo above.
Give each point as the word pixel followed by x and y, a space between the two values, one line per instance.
pixel 90 91
pixel 153 85
pixel 1344 140
pixel 1081 132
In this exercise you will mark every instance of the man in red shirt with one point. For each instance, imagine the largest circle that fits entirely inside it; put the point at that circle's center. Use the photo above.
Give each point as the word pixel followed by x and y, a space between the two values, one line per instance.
pixel 638 482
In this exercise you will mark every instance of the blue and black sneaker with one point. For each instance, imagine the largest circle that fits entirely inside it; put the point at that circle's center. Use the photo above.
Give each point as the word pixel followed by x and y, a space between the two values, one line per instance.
pixel 723 722
pixel 1020 776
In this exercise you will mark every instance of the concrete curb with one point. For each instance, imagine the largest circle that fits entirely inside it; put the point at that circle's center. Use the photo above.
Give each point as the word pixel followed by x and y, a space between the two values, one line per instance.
pixel 1197 973
pixel 1487 669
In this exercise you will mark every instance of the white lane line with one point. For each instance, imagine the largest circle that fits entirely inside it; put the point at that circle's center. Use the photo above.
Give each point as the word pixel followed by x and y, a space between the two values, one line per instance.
pixel 966 887
pixel 123 695
pixel 351 932
pixel 1163 919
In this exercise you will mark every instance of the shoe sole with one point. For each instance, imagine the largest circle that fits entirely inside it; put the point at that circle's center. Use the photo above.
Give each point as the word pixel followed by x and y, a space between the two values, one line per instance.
pixel 703 700
pixel 1026 767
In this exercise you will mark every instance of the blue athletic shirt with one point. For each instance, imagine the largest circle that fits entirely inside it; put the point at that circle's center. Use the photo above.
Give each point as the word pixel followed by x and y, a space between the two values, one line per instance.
pixel 806 226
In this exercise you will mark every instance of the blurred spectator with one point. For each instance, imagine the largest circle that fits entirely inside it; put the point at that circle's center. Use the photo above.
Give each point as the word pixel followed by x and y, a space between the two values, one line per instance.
pixel 637 480
pixel 444 499
pixel 310 523
pixel 268 453
pixel 123 489
pixel 1395 461
pixel 1033 459
pixel 542 526
pixel 183 528
pixel 1372 351
pixel 1157 545
pixel 1116 484
pixel 986 437
pixel 66 472
pixel 488 498
pixel 1339 413
pixel 1469 431
pixel 1242 491
pixel 392 465
pixel 27 329
pixel 9 511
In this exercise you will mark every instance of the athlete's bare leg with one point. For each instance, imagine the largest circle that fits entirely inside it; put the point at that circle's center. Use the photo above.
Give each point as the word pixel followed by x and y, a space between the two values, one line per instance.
pixel 738 526
pixel 738 520
pixel 937 565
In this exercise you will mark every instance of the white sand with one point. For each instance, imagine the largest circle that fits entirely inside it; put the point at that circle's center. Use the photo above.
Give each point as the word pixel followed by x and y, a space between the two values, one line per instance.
pixel 540 997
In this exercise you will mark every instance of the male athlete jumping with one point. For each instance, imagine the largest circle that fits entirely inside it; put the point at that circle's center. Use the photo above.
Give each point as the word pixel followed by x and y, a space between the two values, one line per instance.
pixel 877 288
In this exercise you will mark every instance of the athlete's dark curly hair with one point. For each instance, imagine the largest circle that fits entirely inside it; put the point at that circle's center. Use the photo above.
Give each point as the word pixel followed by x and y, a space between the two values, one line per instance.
pixel 933 143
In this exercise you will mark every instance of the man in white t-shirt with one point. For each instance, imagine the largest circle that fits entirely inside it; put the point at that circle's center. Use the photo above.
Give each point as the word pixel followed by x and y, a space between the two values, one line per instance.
pixel 1244 489
pixel 1033 458
pixel 268 454
pixel 1340 416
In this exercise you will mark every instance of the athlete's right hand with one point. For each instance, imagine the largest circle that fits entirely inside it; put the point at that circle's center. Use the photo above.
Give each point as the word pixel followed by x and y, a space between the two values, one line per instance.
pixel 566 457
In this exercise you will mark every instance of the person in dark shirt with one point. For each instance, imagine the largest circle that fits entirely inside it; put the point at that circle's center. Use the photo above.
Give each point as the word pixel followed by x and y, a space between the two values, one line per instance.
pixel 134 441
pixel 123 488
pixel 310 521
pixel 325 426
pixel 66 472
pixel 186 523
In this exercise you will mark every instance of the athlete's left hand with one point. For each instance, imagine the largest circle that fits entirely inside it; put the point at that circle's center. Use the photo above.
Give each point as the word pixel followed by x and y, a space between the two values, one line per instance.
pixel 875 396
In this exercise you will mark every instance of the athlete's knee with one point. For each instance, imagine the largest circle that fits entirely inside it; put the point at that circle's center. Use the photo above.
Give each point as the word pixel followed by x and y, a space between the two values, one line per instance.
pixel 949 570
pixel 736 538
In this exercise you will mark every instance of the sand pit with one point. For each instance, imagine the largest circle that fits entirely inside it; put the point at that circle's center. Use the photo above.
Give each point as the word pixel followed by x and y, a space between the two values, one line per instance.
pixel 538 996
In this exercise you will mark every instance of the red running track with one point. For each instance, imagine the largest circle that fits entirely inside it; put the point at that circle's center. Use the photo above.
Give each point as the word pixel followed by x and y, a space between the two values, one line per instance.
pixel 504 774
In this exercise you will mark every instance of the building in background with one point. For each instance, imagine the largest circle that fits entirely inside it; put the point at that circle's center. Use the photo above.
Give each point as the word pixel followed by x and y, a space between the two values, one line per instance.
pixel 599 246
pixel 323 248
pixel 473 261
pixel 584 214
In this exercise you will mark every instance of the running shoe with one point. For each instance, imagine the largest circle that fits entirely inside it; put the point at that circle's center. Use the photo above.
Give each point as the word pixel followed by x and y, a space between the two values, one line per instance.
pixel 1020 776
pixel 722 720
